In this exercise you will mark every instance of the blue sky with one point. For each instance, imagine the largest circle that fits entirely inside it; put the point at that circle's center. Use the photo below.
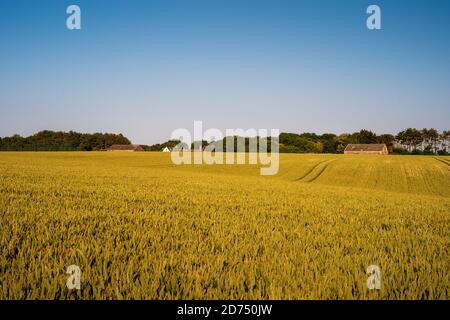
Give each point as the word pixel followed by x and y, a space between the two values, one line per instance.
pixel 145 68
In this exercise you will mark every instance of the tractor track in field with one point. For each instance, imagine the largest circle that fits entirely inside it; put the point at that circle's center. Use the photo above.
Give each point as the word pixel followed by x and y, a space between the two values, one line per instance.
pixel 322 170
pixel 309 176
pixel 310 170
pixel 443 161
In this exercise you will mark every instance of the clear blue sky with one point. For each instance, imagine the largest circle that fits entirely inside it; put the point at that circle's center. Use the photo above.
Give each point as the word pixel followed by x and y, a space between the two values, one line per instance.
pixel 145 68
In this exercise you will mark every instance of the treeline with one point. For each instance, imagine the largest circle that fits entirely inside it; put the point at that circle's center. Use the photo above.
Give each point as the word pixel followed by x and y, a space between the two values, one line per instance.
pixel 425 141
pixel 329 142
pixel 61 141
pixel 160 146
pixel 233 143
pixel 294 143
pixel 409 141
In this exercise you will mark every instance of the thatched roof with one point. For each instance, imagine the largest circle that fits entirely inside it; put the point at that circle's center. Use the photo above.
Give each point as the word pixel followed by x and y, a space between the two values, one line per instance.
pixel 366 147
pixel 125 147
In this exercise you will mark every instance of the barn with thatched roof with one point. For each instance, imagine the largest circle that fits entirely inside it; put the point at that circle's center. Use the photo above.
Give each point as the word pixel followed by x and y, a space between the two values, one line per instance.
pixel 125 147
pixel 371 148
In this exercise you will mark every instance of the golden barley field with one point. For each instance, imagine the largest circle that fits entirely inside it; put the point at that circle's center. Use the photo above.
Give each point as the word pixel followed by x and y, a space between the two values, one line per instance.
pixel 140 227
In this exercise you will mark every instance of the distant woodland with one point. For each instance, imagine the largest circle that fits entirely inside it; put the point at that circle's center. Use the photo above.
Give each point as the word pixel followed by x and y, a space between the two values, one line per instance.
pixel 409 141
pixel 61 141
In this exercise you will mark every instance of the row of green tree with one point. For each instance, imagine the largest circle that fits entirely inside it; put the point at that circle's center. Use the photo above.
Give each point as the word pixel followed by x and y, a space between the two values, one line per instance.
pixel 291 142
pixel 409 141
pixel 329 142
pixel 160 146
pixel 61 141
pixel 425 141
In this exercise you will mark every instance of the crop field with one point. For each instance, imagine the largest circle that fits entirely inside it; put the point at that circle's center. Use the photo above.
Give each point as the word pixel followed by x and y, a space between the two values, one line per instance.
pixel 140 227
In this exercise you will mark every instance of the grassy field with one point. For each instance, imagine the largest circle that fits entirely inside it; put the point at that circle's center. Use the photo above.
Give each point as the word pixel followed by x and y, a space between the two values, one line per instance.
pixel 140 227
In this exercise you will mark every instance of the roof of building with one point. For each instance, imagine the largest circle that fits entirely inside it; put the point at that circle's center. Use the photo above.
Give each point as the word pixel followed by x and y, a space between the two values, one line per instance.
pixel 366 147
pixel 126 147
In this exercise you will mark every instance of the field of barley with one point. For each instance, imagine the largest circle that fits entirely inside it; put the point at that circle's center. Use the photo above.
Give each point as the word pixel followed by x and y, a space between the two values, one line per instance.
pixel 140 227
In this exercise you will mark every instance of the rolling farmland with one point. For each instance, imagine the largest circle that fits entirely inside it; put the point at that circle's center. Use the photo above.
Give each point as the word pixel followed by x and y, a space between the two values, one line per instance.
pixel 140 227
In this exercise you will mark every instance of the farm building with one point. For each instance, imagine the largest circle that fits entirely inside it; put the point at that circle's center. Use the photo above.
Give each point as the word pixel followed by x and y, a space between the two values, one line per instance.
pixel 125 147
pixel 166 149
pixel 366 149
